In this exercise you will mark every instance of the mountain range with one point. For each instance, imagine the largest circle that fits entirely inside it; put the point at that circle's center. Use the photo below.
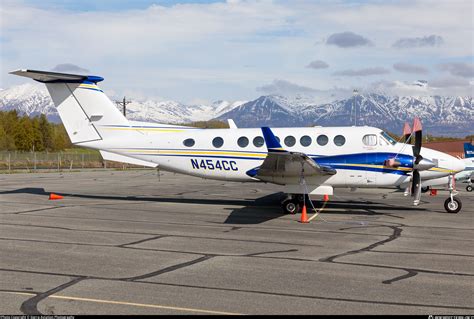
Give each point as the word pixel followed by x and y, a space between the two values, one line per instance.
pixel 441 115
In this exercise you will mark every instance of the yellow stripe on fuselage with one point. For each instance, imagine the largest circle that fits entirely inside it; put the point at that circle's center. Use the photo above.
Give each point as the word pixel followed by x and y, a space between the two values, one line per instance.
pixel 153 129
pixel 179 152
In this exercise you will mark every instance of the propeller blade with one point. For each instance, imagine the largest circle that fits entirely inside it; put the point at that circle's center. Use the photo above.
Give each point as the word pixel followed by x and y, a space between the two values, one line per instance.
pixel 417 129
pixel 416 187
pixel 406 133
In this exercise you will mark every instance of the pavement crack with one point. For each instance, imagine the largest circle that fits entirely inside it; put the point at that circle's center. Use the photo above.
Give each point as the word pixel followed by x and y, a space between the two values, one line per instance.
pixel 271 252
pixel 410 273
pixel 142 241
pixel 30 306
pixel 38 210
pixel 169 269
pixel 396 233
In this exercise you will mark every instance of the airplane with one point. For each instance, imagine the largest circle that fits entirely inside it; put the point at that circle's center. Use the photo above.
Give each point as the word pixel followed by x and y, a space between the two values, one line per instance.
pixel 465 176
pixel 314 160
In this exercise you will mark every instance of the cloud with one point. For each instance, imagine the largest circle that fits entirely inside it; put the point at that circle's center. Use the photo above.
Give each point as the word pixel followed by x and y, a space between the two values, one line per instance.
pixel 427 41
pixel 410 68
pixel 70 68
pixel 449 82
pixel 447 86
pixel 465 70
pixel 363 72
pixel 347 40
pixel 318 64
pixel 284 87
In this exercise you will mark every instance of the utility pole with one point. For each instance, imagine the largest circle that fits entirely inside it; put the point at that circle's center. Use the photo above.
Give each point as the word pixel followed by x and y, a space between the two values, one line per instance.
pixel 354 106
pixel 123 104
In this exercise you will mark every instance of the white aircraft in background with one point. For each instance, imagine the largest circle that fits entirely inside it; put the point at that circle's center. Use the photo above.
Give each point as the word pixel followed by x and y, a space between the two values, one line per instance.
pixel 315 160
pixel 465 176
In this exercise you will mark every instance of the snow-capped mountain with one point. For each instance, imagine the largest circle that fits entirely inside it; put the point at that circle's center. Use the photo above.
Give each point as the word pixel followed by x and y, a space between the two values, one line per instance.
pixel 34 99
pixel 31 99
pixel 451 116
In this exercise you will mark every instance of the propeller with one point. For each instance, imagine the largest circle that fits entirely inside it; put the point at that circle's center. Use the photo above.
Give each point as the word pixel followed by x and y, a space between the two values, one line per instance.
pixel 419 163
pixel 406 133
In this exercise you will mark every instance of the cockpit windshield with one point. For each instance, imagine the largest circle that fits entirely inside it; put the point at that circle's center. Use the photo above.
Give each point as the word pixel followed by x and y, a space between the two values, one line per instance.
pixel 388 138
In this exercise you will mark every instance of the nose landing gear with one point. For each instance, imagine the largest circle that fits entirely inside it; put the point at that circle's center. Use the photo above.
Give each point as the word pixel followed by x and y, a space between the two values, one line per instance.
pixel 453 204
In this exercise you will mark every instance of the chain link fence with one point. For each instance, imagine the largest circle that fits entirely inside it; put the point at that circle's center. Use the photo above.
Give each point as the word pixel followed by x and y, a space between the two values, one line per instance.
pixel 11 161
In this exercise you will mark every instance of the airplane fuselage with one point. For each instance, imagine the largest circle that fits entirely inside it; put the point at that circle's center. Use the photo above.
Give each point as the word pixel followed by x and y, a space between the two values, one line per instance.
pixel 357 153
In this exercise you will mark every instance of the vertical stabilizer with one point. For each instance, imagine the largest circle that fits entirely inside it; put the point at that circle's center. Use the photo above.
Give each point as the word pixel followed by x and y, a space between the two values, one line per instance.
pixel 81 104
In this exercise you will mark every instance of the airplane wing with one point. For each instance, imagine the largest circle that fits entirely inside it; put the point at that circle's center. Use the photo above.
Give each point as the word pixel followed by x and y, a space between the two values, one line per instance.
pixel 281 164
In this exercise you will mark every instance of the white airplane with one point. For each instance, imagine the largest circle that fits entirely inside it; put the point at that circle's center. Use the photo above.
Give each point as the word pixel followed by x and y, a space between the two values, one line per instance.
pixel 466 176
pixel 314 161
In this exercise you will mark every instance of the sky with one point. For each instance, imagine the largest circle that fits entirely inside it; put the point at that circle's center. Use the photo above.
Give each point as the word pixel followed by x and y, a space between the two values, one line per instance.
pixel 203 51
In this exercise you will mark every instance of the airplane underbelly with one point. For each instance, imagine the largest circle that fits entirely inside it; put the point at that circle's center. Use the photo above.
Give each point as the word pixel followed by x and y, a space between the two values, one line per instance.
pixel 229 169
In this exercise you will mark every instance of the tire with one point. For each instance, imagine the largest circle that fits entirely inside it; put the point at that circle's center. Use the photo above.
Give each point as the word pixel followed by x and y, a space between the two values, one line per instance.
pixel 425 189
pixel 290 207
pixel 453 207
pixel 469 188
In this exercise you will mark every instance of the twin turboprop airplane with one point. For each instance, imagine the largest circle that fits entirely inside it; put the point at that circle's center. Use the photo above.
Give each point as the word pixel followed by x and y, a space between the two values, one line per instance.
pixel 466 176
pixel 313 161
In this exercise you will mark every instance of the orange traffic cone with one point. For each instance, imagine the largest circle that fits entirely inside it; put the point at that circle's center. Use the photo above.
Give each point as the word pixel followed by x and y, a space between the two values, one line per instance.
pixel 53 196
pixel 326 198
pixel 304 216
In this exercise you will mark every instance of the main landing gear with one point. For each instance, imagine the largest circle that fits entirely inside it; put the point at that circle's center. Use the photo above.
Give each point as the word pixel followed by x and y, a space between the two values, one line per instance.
pixel 292 204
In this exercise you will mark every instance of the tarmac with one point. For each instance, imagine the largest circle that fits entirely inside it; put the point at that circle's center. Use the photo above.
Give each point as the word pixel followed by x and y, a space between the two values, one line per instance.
pixel 133 242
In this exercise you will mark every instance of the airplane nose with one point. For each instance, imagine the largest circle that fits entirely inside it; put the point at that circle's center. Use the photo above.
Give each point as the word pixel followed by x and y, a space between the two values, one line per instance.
pixel 457 165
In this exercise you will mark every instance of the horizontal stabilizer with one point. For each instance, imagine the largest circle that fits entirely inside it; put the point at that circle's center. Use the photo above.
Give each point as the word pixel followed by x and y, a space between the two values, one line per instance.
pixel 54 77
pixel 125 159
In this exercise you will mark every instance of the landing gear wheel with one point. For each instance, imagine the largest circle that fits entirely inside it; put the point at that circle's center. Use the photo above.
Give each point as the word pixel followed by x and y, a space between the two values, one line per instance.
pixel 425 189
pixel 453 206
pixel 290 206
pixel 469 188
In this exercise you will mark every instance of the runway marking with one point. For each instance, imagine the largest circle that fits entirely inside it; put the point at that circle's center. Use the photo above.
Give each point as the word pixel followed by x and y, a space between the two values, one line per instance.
pixel 127 303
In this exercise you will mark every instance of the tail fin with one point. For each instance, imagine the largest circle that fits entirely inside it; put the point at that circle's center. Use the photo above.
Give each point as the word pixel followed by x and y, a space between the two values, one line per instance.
pixel 468 150
pixel 81 104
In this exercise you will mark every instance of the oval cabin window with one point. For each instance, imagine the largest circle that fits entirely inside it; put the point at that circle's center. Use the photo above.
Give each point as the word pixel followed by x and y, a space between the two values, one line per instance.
pixel 189 142
pixel 217 142
pixel 322 140
pixel 339 140
pixel 243 141
pixel 290 141
pixel 305 141
pixel 258 141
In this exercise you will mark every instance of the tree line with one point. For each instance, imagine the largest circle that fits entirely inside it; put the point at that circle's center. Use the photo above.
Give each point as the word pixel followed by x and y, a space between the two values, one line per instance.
pixel 23 133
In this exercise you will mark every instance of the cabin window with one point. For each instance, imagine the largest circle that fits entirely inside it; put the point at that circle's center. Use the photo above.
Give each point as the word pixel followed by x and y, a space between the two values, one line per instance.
pixel 370 140
pixel 339 140
pixel 189 142
pixel 290 141
pixel 258 141
pixel 322 140
pixel 217 142
pixel 305 140
pixel 243 141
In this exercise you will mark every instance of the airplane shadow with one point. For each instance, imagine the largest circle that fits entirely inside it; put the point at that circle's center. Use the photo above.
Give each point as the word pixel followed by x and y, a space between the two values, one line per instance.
pixel 254 211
